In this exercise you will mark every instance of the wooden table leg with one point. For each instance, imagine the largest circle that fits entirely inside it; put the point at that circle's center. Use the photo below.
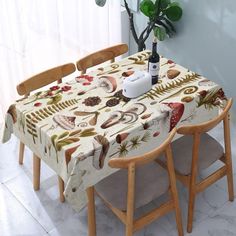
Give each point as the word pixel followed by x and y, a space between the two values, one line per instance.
pixel 21 153
pixel 36 172
pixel 61 189
pixel 91 212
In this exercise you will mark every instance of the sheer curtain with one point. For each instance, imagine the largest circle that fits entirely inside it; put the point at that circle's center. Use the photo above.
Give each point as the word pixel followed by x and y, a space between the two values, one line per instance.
pixel 38 34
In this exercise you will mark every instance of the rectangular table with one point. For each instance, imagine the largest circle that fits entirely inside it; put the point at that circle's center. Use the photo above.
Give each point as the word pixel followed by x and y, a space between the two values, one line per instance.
pixel 76 127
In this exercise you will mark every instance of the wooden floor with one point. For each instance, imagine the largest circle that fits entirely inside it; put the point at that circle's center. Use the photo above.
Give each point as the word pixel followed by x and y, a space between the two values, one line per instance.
pixel 25 212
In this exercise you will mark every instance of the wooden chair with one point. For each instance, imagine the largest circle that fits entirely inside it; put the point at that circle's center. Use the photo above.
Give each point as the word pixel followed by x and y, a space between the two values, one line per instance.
pixel 191 155
pixel 101 56
pixel 139 181
pixel 29 85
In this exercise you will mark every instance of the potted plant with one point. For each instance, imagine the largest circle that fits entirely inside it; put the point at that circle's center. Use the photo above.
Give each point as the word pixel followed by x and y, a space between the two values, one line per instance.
pixel 161 15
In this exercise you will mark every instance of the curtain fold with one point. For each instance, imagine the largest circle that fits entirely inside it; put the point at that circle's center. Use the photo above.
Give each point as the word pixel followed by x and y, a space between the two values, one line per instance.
pixel 36 35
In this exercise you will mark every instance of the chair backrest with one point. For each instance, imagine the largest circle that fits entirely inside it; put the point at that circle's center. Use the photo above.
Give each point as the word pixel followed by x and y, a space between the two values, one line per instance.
pixel 145 158
pixel 206 126
pixel 47 77
pixel 101 56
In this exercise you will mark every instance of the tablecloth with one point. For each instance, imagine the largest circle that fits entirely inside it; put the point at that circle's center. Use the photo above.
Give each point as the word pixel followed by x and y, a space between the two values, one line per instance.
pixel 76 127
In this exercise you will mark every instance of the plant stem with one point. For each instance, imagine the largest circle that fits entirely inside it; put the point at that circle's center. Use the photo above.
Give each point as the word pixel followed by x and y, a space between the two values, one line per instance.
pixel 131 20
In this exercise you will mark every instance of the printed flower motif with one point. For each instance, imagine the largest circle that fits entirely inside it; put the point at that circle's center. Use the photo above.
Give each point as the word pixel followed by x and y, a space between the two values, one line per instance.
pixel 53 88
pixel 221 94
pixel 49 93
pixel 89 78
pixel 66 88
pixel 37 104
pixel 211 98
pixel 84 79
pixel 203 93
pixel 170 62
pixel 86 83
pixel 156 134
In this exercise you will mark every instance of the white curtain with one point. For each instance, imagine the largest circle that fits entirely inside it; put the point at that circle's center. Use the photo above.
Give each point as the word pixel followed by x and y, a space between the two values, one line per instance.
pixel 38 34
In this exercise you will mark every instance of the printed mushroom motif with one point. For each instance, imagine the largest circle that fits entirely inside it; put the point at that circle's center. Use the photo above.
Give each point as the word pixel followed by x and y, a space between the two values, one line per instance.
pixel 108 83
pixel 146 116
pixel 171 74
pixel 176 113
pixel 113 119
pixel 138 108
pixel 121 137
pixel 12 112
pixel 187 99
pixel 93 120
pixel 101 147
pixel 129 117
pixel 127 73
pixel 206 82
pixel 65 122
pixel 69 152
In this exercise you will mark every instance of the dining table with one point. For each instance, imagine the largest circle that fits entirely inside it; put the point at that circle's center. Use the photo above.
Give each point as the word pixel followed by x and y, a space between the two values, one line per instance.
pixel 77 126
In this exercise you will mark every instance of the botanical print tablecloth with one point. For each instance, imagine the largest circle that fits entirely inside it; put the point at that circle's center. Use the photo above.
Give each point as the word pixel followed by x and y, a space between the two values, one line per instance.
pixel 78 126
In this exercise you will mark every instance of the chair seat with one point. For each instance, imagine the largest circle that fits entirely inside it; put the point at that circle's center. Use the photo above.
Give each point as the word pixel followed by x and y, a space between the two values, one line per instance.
pixel 209 152
pixel 151 181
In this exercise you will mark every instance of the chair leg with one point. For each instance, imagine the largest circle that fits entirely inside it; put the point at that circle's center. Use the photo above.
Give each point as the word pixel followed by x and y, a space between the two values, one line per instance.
pixel 21 153
pixel 178 216
pixel 191 203
pixel 36 172
pixel 61 189
pixel 173 191
pixel 129 229
pixel 230 180
pixel 228 157
pixel 91 212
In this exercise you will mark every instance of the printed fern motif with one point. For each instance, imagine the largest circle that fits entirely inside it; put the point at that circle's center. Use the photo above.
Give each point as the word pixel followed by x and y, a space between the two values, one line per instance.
pixel 134 143
pixel 34 117
pixel 170 86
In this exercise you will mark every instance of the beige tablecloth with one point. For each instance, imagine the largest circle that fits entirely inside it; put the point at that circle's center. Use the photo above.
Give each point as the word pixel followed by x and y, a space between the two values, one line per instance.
pixel 78 126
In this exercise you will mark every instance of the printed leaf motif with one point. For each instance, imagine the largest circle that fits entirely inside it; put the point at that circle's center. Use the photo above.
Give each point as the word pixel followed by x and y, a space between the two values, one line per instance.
pixel 64 134
pixel 123 149
pixel 170 86
pixel 82 113
pixel 75 132
pixel 135 142
pixel 53 138
pixel 211 99
pixel 69 152
pixel 65 142
pixel 132 144
pixel 61 144
pixel 146 137
pixel 55 99
pixel 87 133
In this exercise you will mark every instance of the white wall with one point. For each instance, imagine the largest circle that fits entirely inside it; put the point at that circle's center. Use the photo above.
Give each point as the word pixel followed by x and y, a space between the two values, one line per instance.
pixel 205 41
